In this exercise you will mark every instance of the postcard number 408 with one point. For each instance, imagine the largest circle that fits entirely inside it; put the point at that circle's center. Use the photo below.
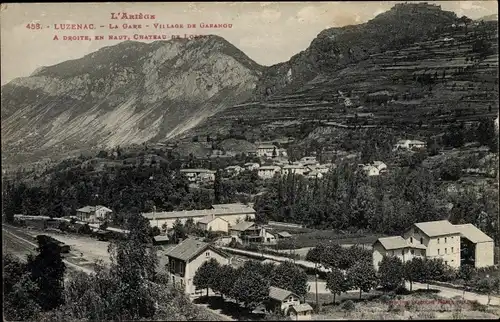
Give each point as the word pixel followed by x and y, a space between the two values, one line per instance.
pixel 34 26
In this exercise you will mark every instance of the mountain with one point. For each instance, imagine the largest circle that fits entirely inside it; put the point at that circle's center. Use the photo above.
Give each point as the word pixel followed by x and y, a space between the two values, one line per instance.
pixel 493 17
pixel 335 48
pixel 128 93
pixel 408 73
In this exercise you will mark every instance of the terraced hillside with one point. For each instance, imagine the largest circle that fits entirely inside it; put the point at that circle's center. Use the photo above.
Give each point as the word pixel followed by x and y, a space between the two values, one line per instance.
pixel 415 91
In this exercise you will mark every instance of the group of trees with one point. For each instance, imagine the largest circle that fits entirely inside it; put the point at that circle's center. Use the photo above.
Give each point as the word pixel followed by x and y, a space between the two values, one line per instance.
pixel 346 199
pixel 129 288
pixel 250 283
pixel 484 132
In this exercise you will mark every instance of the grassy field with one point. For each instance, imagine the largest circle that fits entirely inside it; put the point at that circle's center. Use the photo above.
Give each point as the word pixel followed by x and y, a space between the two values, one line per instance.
pixel 418 305
pixel 312 239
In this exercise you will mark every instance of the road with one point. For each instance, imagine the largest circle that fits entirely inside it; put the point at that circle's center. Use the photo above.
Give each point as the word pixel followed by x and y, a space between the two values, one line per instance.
pixel 275 258
pixel 443 291
pixel 451 292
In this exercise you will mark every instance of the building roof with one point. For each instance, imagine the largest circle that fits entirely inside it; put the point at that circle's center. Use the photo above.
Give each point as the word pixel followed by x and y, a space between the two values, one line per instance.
pixel 279 294
pixel 473 233
pixel 294 166
pixel 218 210
pixel 395 242
pixel 209 219
pixel 304 307
pixel 242 226
pixel 437 228
pixel 88 209
pixel 269 167
pixel 188 249
pixel 161 238
pixel 197 171
pixel 284 234
pixel 266 146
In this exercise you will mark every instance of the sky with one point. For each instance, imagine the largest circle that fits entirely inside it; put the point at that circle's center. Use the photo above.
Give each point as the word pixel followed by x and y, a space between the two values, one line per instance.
pixel 268 32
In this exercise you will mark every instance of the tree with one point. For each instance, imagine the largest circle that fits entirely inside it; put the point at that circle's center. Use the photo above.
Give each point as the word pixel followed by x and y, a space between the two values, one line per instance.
pixel 290 277
pixel 218 188
pixel 47 271
pixel 315 254
pixel 20 291
pixel 251 289
pixel 362 276
pixel 391 272
pixel 487 285
pixel 414 270
pixel 336 282
pixel 179 230
pixel 206 275
pixel 432 269
pixel 224 280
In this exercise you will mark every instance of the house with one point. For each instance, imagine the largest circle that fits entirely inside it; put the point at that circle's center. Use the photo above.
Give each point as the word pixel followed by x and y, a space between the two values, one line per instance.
pixel 267 150
pixel 93 214
pixel 251 166
pixel 268 172
pixel 301 312
pixel 314 175
pixel 476 248
pixel 234 169
pixel 246 231
pixel 280 300
pixel 185 258
pixel 293 168
pixel 232 213
pixel 161 240
pixel 370 170
pixel 381 166
pixel 199 175
pixel 410 145
pixel 453 244
pixel 212 223
pixel 308 160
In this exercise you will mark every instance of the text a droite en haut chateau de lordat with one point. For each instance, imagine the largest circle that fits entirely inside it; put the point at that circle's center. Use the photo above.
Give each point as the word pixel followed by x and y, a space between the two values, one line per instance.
pixel 128 26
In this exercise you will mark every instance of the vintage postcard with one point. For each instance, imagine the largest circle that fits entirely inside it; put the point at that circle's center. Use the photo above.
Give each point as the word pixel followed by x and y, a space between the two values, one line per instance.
pixel 250 160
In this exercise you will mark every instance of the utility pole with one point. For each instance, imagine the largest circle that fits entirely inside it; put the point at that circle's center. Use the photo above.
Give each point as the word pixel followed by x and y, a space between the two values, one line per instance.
pixel 316 275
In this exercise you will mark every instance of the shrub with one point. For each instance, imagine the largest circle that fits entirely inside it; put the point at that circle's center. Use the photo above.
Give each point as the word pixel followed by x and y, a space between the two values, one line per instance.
pixel 348 306
pixel 385 298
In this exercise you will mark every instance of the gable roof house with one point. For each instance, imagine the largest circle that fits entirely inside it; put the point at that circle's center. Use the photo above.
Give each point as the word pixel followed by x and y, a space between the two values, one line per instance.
pixel 93 214
pixel 281 300
pixel 212 223
pixel 185 258
pixel 440 239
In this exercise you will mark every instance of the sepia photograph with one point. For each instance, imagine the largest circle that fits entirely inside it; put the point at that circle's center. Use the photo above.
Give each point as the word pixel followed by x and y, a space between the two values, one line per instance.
pixel 250 161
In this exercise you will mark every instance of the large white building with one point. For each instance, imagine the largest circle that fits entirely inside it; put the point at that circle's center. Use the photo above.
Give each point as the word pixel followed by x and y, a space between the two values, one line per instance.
pixel 232 213
pixel 454 244
pixel 267 172
pixel 199 175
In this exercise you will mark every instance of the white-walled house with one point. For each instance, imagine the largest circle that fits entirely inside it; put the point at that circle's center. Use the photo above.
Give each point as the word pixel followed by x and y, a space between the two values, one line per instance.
pixel 267 150
pixel 232 213
pixel 268 172
pixel 293 169
pixel 199 175
pixel 185 258
pixel 409 144
pixel 438 239
pixel 251 166
pixel 212 223
pixel 93 214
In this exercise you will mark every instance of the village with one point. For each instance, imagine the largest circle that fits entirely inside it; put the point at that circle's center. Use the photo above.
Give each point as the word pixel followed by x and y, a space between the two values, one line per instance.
pixel 227 235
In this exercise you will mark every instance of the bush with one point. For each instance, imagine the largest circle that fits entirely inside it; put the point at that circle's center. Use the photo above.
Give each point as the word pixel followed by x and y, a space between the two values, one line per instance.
pixel 348 306
pixel 385 298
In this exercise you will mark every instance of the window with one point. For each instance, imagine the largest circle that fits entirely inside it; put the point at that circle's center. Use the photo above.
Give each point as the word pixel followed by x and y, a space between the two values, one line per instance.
pixel 446 262
pixel 452 250
pixel 422 252
pixel 446 250
pixel 412 252
pixel 438 251
pixel 445 240
pixel 411 240
pixel 421 240
pixel 438 240
pixel 207 254
pixel 402 252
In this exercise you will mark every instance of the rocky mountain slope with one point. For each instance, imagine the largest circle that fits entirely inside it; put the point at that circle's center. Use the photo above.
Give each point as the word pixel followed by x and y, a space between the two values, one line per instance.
pixel 411 71
pixel 128 93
